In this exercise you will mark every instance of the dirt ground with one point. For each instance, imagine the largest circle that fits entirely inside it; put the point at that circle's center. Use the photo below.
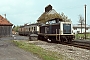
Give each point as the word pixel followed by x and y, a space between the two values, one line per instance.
pixel 68 51
pixel 8 51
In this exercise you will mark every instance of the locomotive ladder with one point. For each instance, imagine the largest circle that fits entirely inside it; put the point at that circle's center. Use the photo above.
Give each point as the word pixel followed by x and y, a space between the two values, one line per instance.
pixel 57 35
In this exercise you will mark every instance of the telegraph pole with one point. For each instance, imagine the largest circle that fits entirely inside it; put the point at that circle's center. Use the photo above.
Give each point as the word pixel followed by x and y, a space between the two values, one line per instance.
pixel 85 21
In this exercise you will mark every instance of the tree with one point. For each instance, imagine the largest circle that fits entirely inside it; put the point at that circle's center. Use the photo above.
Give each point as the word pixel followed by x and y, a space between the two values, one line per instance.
pixel 81 21
pixel 15 28
pixel 65 18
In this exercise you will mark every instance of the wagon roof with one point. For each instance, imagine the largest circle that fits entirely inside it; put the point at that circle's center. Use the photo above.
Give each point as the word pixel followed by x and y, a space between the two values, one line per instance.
pixel 4 21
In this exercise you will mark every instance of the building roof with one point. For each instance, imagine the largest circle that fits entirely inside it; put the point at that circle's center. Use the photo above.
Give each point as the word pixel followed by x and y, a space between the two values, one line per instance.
pixel 4 21
pixel 79 26
pixel 48 16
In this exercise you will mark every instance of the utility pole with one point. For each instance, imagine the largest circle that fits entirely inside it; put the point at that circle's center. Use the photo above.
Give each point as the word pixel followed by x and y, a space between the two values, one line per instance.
pixel 85 21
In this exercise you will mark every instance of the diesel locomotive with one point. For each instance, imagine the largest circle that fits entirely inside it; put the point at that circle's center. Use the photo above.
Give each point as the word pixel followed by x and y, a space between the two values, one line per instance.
pixel 56 30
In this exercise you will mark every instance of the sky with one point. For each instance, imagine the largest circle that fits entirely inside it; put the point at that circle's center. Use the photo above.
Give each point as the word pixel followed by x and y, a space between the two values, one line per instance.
pixel 19 12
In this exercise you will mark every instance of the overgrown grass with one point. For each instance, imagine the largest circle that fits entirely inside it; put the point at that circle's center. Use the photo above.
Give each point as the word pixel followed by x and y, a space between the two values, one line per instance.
pixel 42 53
pixel 78 36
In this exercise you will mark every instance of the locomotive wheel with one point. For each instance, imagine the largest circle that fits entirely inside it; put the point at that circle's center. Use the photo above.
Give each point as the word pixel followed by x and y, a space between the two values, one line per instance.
pixel 69 40
pixel 62 41
pixel 53 40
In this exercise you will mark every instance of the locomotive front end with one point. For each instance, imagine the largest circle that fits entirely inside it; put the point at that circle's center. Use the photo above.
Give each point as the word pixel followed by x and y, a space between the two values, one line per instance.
pixel 67 32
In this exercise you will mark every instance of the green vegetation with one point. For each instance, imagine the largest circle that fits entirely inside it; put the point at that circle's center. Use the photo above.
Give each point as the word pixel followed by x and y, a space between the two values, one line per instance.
pixel 79 36
pixel 15 28
pixel 42 53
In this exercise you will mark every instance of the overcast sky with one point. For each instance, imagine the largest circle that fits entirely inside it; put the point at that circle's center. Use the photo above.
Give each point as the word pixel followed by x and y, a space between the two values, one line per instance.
pixel 20 12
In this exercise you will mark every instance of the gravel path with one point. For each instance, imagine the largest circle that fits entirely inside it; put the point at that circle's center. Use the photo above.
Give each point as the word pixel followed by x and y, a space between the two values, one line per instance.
pixel 10 52
pixel 68 51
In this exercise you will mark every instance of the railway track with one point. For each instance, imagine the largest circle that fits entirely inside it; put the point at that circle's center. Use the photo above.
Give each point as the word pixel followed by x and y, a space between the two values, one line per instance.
pixel 82 45
pixel 78 44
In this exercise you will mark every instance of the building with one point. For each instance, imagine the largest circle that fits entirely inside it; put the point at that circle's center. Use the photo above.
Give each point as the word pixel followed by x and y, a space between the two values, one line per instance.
pixel 77 28
pixel 5 27
pixel 48 14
